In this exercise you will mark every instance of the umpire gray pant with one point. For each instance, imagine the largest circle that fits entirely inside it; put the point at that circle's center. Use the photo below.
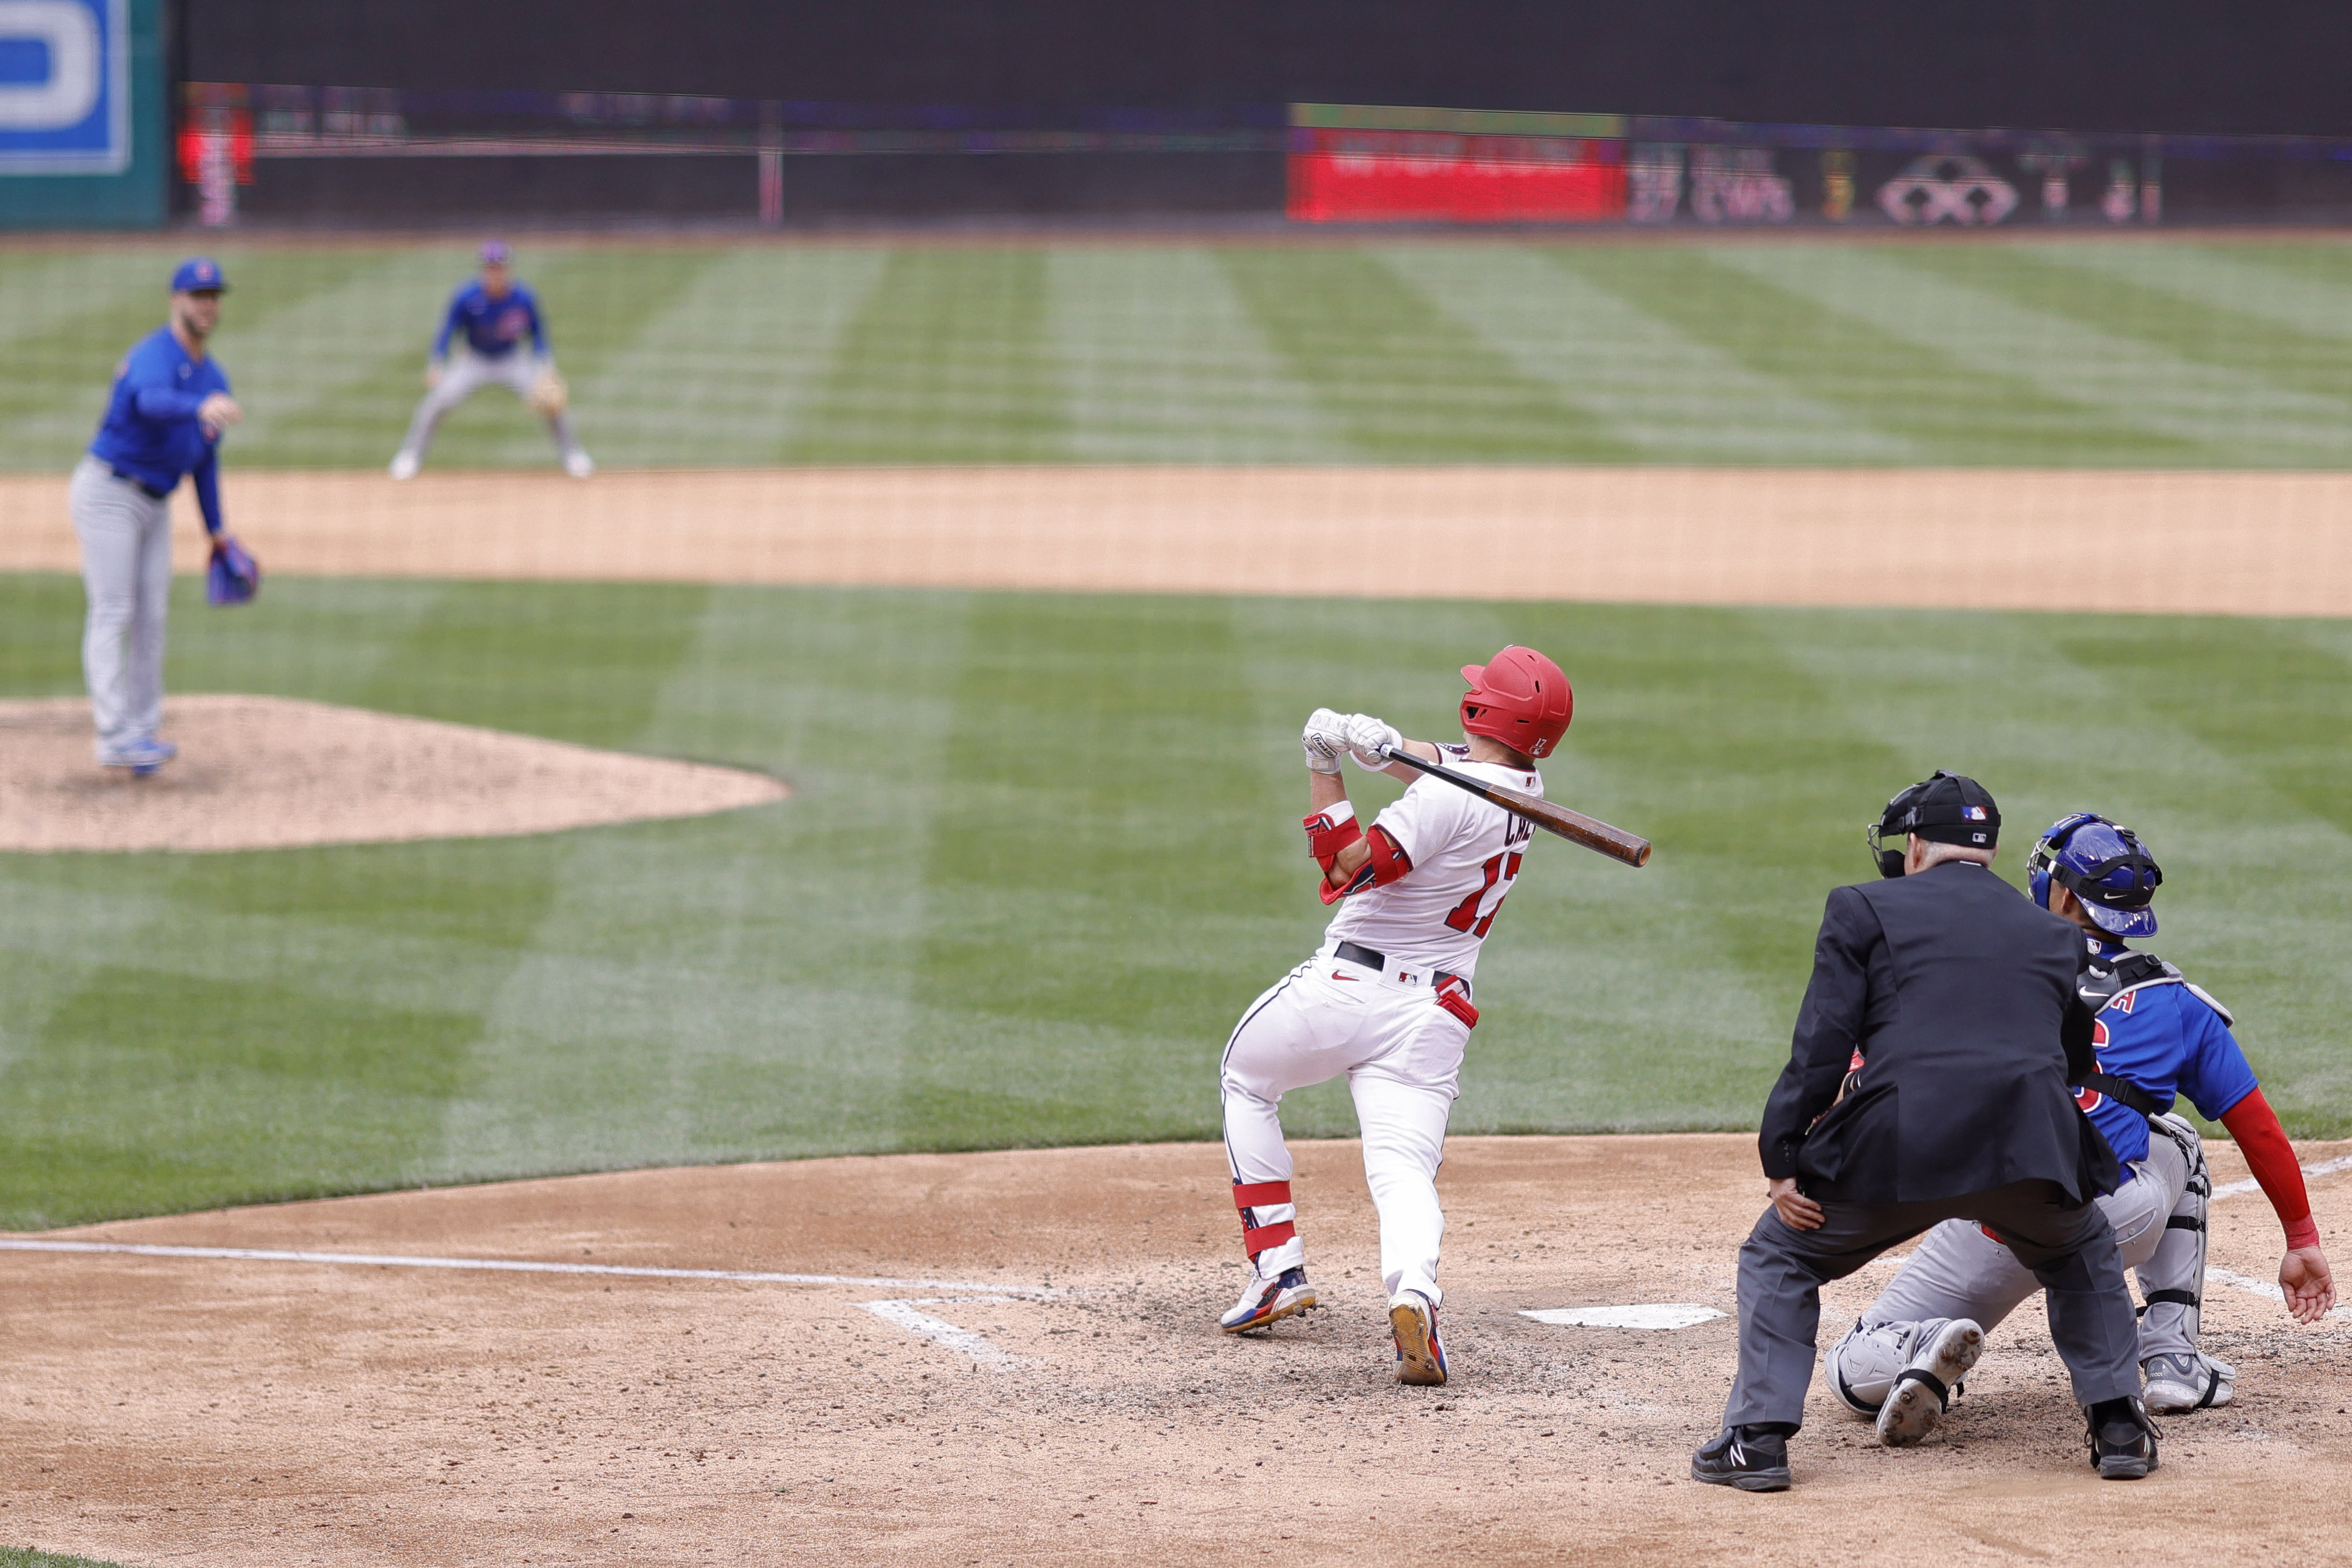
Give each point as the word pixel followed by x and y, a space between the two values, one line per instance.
pixel 126 572
pixel 2072 1252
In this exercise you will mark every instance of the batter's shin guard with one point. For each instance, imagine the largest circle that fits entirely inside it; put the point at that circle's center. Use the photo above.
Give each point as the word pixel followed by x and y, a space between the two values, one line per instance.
pixel 2172 1281
pixel 1269 1231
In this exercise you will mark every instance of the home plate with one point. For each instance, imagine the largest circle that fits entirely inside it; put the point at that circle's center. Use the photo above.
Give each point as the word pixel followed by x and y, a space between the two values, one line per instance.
pixel 1650 1315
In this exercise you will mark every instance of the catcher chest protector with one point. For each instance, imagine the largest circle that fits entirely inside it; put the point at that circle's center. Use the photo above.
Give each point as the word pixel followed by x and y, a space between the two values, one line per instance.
pixel 1519 697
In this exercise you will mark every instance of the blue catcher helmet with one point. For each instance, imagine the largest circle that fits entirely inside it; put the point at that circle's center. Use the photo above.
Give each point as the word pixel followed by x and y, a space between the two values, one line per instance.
pixel 2104 865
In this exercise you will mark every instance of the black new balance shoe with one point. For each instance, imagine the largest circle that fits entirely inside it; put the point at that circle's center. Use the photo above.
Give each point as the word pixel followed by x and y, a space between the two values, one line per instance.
pixel 2122 1440
pixel 1749 1458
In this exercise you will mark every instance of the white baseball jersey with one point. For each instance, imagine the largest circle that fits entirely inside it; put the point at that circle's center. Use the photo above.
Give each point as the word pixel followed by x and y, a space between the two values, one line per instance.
pixel 1465 853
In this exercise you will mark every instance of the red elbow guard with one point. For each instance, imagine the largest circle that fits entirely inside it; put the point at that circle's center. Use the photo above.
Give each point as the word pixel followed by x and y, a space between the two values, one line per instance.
pixel 2263 1141
pixel 1388 862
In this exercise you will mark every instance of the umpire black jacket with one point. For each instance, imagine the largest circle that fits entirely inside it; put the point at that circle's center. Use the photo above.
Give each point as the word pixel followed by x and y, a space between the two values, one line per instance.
pixel 1959 993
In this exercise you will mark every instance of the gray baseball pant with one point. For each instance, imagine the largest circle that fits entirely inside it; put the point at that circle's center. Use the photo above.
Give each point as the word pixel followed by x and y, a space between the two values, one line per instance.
pixel 126 574
pixel 466 374
pixel 2070 1252
pixel 1958 1271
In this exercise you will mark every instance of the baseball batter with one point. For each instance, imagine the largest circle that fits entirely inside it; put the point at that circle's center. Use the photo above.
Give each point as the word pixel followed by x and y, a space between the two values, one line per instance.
pixel 1386 999
pixel 163 423
pixel 504 341
pixel 2157 1037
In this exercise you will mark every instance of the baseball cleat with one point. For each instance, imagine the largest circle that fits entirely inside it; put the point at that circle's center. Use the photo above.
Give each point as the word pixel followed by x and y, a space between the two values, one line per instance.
pixel 1420 1354
pixel 1923 1391
pixel 403 465
pixel 2177 1383
pixel 1266 1301
pixel 2122 1440
pixel 142 755
pixel 579 465
pixel 1746 1457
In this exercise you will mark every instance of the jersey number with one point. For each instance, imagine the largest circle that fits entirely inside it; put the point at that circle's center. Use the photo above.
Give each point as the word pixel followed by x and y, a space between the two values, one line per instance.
pixel 1502 868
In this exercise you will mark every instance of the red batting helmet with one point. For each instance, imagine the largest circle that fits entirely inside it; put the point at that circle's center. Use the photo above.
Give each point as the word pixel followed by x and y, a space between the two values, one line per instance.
pixel 1519 697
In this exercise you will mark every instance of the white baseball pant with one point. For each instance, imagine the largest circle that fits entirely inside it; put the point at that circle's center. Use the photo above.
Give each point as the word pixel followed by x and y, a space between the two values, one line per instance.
pixel 468 374
pixel 1401 1054
pixel 1958 1271
pixel 126 574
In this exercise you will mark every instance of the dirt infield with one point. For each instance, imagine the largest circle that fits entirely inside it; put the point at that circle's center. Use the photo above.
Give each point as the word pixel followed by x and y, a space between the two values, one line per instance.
pixel 267 772
pixel 232 1411
pixel 2241 543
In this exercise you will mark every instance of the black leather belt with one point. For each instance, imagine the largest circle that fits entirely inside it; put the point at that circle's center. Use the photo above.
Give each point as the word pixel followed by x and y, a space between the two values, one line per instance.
pixel 1356 953
pixel 128 477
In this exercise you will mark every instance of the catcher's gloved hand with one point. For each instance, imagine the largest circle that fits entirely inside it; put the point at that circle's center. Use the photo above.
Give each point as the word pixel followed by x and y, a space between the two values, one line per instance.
pixel 234 576
pixel 1326 740
pixel 1366 735
pixel 548 394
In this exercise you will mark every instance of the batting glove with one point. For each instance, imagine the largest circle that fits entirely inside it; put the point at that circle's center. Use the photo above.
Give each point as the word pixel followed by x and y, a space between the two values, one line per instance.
pixel 1325 740
pixel 1366 736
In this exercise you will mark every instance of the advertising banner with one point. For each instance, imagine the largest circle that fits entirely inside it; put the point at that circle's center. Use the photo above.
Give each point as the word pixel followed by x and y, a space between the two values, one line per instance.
pixel 82 112
pixel 1403 176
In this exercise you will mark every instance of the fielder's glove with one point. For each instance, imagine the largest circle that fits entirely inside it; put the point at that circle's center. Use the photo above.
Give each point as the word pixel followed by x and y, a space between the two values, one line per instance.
pixel 1326 741
pixel 1366 736
pixel 549 396
pixel 234 576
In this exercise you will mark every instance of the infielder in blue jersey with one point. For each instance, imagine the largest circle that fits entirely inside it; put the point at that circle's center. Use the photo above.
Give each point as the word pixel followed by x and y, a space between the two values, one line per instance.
pixel 163 423
pixel 2157 1037
pixel 502 339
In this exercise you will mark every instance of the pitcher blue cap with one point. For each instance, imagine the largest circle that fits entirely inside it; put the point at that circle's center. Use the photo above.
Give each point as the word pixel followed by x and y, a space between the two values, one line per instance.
pixel 496 253
pixel 198 275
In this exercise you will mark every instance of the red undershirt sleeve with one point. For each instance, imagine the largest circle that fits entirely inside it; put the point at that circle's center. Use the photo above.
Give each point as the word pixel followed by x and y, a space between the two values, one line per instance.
pixel 2263 1143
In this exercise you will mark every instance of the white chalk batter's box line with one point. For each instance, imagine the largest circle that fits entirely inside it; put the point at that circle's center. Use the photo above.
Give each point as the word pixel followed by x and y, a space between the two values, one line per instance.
pixel 524 1266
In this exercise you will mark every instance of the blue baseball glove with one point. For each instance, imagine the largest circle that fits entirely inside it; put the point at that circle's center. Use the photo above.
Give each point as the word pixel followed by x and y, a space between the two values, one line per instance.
pixel 234 576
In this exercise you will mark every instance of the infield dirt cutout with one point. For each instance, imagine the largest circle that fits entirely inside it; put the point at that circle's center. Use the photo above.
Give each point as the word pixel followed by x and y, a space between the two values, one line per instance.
pixel 270 772
pixel 2184 542
pixel 240 1412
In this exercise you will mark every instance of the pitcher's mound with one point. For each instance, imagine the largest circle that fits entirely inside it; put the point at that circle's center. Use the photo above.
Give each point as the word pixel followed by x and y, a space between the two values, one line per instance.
pixel 270 772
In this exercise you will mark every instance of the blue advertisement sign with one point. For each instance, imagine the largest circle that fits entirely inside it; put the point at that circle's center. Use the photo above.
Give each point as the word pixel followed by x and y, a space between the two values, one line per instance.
pixel 64 87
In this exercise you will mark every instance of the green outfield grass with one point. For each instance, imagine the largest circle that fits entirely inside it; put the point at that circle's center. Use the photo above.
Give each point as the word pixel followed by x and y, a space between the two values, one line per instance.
pixel 1045 849
pixel 15 1557
pixel 2096 352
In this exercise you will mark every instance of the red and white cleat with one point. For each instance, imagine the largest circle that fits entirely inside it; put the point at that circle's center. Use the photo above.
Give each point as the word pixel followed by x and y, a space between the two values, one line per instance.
pixel 1264 1301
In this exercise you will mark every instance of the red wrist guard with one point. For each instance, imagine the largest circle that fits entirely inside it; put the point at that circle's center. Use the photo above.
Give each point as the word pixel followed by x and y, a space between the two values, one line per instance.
pixel 1327 835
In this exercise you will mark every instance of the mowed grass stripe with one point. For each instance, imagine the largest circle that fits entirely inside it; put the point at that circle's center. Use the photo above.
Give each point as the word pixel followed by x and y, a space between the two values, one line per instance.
pixel 2190 328
pixel 1405 382
pixel 1053 850
pixel 1950 411
pixel 1161 363
pixel 2228 277
pixel 725 371
pixel 2152 406
pixel 950 359
pixel 1661 392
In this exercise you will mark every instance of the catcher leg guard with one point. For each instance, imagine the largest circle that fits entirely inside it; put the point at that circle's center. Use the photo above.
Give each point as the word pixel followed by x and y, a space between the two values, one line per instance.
pixel 1924 1389
pixel 1864 1365
pixel 1420 1354
pixel 2172 1280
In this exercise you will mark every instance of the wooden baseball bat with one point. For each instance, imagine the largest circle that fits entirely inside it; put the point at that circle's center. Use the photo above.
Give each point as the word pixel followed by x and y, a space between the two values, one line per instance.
pixel 1573 825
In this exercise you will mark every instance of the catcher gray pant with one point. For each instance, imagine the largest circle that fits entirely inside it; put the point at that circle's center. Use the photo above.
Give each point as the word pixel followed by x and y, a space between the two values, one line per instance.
pixel 126 574
pixel 2071 1251
pixel 1958 1271
pixel 468 374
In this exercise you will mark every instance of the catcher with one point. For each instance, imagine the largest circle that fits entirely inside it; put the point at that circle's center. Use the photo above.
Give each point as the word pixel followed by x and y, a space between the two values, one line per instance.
pixel 505 341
